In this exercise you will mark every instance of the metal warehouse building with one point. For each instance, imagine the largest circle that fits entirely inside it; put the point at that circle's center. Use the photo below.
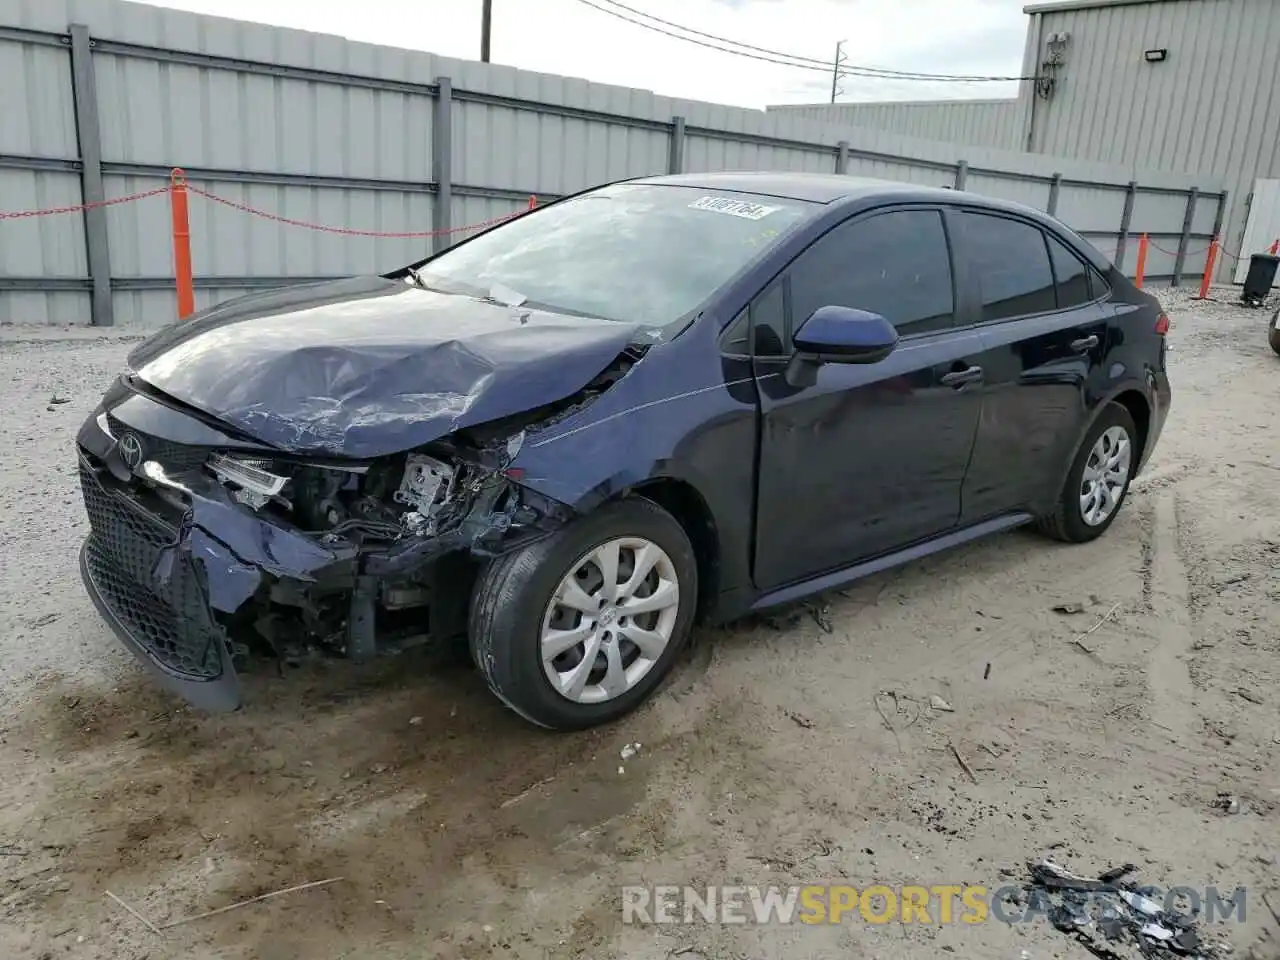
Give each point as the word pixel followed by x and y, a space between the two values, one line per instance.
pixel 1188 86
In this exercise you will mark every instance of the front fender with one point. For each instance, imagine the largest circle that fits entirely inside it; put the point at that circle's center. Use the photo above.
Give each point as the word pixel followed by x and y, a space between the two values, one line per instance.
pixel 680 413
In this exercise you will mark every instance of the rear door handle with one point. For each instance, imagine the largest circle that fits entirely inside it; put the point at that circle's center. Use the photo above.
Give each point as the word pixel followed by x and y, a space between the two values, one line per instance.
pixel 958 378
pixel 1085 343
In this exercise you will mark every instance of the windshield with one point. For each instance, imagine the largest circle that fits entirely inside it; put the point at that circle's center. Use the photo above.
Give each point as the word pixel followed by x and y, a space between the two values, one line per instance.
pixel 632 252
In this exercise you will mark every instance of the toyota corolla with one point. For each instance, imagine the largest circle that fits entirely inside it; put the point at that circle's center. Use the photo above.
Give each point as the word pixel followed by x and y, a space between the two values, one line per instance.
pixel 575 435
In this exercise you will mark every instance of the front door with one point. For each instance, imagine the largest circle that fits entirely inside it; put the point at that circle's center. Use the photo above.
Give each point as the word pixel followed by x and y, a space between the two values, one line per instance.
pixel 871 457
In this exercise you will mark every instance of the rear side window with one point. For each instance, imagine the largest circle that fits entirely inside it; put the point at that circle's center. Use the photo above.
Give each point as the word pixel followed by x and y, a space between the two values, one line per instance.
pixel 896 264
pixel 1071 274
pixel 1012 266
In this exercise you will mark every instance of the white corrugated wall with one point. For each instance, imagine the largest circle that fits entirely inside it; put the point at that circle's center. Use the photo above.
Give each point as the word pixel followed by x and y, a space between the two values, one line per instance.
pixel 983 123
pixel 1212 108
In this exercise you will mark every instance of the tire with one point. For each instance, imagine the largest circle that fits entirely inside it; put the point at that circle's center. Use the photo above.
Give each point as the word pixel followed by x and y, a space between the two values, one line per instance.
pixel 1273 335
pixel 511 608
pixel 1068 521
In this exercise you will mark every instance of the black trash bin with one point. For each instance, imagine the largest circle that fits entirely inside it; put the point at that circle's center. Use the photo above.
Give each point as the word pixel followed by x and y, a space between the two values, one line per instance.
pixel 1257 284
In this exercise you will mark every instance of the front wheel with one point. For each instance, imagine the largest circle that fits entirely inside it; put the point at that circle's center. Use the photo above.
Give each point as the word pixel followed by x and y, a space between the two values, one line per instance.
pixel 1273 335
pixel 579 628
pixel 1098 479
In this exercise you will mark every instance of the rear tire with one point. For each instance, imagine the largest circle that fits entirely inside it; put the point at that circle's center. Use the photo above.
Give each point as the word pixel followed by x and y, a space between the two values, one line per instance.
pixel 1273 335
pixel 533 602
pixel 1098 480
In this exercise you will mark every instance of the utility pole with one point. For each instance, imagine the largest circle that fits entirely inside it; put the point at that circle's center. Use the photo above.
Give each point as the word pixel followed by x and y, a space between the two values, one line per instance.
pixel 486 28
pixel 835 70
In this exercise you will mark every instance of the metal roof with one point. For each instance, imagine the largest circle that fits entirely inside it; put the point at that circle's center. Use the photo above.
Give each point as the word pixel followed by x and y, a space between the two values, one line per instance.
pixel 1058 6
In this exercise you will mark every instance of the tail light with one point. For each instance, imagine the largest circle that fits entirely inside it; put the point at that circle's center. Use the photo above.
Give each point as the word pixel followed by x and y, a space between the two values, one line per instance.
pixel 1162 325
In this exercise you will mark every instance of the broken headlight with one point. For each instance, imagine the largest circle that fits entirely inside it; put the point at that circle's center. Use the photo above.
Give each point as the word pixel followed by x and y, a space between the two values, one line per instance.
pixel 384 500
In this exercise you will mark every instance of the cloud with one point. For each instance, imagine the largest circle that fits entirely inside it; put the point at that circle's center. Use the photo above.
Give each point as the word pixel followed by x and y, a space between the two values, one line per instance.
pixel 570 38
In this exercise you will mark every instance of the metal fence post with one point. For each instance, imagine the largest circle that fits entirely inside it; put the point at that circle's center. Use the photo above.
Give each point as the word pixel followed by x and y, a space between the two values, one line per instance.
pixel 1220 217
pixel 1193 195
pixel 1055 190
pixel 1126 220
pixel 442 164
pixel 675 153
pixel 842 157
pixel 84 93
pixel 962 174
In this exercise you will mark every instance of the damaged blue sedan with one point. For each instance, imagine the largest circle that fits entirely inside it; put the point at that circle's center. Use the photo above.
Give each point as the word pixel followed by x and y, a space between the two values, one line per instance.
pixel 570 437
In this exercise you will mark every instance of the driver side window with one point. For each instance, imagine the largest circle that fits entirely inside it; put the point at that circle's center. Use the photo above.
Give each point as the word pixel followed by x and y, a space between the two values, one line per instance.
pixel 896 264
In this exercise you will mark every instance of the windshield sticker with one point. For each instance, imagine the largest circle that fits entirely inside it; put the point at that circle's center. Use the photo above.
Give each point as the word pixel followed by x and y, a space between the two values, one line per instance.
pixel 734 208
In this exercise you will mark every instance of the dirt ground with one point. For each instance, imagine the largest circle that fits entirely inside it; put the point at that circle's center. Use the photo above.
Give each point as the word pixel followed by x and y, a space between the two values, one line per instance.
pixel 771 757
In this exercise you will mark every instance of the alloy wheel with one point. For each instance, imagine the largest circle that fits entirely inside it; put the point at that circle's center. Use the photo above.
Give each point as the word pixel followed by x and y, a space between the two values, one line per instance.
pixel 1105 474
pixel 610 620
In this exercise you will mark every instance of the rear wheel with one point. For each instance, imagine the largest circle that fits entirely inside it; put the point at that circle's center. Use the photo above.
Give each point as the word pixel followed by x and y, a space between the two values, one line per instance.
pixel 578 629
pixel 1098 480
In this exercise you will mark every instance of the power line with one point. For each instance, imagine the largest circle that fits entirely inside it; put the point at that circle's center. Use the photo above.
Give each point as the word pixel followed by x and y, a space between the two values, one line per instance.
pixel 768 55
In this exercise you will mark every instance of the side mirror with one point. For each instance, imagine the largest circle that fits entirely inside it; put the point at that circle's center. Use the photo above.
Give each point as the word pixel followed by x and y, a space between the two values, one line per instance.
pixel 845 335
pixel 838 335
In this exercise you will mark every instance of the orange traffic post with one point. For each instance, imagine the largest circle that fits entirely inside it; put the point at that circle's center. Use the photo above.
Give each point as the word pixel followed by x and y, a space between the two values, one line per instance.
pixel 1142 260
pixel 1275 246
pixel 181 244
pixel 533 200
pixel 1209 262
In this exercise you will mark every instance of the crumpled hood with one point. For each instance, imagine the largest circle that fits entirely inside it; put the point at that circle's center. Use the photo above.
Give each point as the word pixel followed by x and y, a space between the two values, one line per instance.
pixel 371 366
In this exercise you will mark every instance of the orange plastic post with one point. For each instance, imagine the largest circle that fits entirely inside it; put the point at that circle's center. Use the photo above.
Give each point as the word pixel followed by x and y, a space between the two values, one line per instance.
pixel 181 244
pixel 1210 260
pixel 1275 246
pixel 1142 260
pixel 533 200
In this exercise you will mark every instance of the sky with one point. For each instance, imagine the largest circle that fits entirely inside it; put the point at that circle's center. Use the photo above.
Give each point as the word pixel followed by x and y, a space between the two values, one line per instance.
pixel 570 37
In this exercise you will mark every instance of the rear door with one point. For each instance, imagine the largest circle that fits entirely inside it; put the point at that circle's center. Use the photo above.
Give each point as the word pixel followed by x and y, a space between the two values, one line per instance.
pixel 870 457
pixel 1044 330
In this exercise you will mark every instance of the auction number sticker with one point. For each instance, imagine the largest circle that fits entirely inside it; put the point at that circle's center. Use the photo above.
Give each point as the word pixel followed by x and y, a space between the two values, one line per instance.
pixel 734 208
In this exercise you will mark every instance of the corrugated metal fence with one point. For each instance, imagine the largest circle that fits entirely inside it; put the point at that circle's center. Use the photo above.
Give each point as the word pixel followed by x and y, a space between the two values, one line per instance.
pixel 988 123
pixel 104 97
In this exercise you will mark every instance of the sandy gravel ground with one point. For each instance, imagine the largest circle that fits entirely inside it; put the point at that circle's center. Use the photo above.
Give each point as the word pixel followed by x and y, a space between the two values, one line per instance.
pixel 459 831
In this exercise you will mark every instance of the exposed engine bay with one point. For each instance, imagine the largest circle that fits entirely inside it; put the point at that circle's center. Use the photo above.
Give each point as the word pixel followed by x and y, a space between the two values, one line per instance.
pixel 415 526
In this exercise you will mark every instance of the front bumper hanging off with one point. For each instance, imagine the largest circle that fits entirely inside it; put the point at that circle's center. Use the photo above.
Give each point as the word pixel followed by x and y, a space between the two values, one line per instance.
pixel 174 564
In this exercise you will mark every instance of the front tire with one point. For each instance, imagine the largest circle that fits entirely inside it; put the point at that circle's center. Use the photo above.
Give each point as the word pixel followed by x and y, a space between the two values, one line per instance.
pixel 1273 335
pixel 580 628
pixel 1096 484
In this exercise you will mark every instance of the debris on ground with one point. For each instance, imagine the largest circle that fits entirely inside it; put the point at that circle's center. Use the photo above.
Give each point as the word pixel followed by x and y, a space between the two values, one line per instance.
pixel 821 614
pixel 630 750
pixel 1114 918
pixel 937 703
pixel 1069 608
pixel 800 720
pixel 1227 803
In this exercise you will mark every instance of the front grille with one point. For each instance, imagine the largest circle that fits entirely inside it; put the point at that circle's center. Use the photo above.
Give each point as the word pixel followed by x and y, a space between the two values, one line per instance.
pixel 149 586
pixel 174 457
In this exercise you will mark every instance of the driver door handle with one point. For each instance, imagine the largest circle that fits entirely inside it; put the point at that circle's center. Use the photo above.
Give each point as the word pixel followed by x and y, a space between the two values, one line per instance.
pixel 1085 343
pixel 958 378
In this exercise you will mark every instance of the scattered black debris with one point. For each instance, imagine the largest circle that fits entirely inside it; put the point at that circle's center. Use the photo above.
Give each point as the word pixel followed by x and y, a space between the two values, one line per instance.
pixel 986 674
pixel 55 399
pixel 1227 803
pixel 1113 918
pixel 963 765
pixel 1249 695
pixel 1069 608
pixel 7 850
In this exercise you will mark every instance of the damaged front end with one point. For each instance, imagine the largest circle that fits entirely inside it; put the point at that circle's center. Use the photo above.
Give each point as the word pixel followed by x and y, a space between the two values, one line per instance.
pixel 198 553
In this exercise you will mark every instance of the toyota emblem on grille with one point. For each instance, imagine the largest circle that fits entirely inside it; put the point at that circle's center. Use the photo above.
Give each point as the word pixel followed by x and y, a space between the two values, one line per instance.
pixel 131 451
